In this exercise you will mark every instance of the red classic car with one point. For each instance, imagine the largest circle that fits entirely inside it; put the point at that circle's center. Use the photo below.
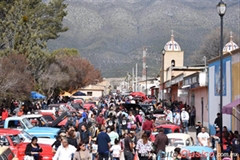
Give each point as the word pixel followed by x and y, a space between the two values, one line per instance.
pixel 167 128
pixel 10 138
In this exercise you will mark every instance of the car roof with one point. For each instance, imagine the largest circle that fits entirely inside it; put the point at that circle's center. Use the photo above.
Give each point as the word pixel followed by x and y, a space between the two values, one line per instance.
pixel 3 149
pixel 32 115
pixel 9 131
pixel 168 125
pixel 178 135
pixel 198 149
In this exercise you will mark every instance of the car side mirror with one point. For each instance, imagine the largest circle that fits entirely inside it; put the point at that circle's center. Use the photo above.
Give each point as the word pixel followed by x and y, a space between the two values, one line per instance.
pixel 22 139
pixel 187 143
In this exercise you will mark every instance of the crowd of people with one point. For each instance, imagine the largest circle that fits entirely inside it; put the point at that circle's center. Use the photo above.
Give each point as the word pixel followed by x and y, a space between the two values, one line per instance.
pixel 111 131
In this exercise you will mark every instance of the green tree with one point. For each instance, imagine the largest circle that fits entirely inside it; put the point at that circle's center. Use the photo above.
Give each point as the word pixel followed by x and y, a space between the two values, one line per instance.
pixel 26 24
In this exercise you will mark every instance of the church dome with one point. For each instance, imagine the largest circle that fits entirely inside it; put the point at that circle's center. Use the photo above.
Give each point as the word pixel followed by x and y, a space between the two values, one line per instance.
pixel 230 46
pixel 172 45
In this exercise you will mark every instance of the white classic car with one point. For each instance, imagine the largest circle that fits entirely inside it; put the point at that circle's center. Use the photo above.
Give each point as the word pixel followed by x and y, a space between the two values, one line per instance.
pixel 26 137
pixel 178 140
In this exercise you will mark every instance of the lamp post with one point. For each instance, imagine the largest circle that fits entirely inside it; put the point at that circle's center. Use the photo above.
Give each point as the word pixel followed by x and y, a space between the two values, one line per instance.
pixel 221 9
pixel 146 80
pixel 162 79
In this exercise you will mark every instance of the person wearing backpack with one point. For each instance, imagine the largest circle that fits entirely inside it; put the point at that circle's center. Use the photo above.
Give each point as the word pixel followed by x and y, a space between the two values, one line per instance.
pixel 85 135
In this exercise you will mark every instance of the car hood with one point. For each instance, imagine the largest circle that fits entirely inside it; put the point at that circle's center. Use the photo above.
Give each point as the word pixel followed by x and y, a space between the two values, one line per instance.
pixel 41 131
pixel 47 150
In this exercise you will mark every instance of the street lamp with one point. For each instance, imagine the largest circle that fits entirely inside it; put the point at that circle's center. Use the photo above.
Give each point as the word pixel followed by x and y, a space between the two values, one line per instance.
pixel 146 80
pixel 162 79
pixel 221 9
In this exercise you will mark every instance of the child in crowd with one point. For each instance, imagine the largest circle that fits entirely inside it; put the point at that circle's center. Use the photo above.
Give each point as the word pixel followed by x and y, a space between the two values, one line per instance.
pixel 116 150
pixel 94 149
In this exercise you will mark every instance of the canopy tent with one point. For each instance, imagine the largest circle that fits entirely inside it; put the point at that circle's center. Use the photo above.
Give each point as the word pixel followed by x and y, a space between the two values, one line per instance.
pixel 78 93
pixel 66 94
pixel 36 95
pixel 138 94
pixel 227 109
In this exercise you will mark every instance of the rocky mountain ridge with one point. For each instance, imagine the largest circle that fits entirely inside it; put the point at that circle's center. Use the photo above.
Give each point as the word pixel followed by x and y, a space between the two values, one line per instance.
pixel 112 33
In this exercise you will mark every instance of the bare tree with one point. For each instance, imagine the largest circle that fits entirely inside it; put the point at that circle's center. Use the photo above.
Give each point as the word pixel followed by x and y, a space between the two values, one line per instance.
pixel 211 46
pixel 15 78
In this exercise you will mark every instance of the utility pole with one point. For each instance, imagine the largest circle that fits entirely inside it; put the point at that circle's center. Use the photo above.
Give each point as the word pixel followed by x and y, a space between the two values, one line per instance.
pixel 136 85
pixel 133 79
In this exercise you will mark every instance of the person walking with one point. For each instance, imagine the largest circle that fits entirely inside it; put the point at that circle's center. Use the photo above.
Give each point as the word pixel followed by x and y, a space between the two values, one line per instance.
pixel 103 141
pixel 65 151
pixel 204 138
pixel 185 119
pixel 82 153
pixel 192 116
pixel 128 146
pixel 116 150
pixel 160 142
pixel 4 114
pixel 144 148
pixel 198 130
pixel 147 126
pixel 85 135
pixel 177 118
pixel 33 149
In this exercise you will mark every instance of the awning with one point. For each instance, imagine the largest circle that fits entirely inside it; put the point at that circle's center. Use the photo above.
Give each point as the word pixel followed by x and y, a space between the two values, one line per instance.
pixel 228 108
pixel 186 86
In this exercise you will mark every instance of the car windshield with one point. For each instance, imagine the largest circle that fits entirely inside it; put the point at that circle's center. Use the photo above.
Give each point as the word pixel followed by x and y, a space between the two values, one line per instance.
pixel 26 135
pixel 43 120
pixel 175 142
pixel 27 123
pixel 167 130
pixel 15 138
pixel 63 108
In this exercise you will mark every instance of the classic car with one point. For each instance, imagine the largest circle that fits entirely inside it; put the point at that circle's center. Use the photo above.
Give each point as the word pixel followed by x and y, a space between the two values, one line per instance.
pixel 11 138
pixel 23 123
pixel 26 137
pixel 50 118
pixel 178 140
pixel 168 128
pixel 7 154
pixel 203 153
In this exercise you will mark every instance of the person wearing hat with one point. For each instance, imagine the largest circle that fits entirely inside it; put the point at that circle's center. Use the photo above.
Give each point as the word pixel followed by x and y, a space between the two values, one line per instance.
pixel 103 140
pixel 185 119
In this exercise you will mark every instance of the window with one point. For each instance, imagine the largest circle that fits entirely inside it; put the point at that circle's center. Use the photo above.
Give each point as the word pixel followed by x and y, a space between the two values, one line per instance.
pixel 48 118
pixel 89 93
pixel 5 141
pixel 194 80
pixel 15 124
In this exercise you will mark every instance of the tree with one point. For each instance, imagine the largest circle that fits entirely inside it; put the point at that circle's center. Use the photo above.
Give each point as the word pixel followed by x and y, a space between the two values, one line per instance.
pixel 15 78
pixel 26 24
pixel 210 47
pixel 67 71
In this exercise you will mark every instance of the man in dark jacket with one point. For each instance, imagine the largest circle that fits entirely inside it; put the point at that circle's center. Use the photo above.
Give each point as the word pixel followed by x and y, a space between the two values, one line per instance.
pixel 160 142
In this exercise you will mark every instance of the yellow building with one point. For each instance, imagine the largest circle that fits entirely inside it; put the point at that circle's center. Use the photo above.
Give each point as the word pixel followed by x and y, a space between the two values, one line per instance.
pixel 174 56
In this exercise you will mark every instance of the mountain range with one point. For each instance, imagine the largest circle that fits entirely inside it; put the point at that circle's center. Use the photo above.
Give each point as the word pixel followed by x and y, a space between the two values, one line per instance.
pixel 112 33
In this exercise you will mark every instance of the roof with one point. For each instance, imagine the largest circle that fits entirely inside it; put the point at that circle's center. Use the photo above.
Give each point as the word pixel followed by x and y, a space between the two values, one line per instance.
pixel 186 68
pixel 9 131
pixel 230 46
pixel 32 115
pixel 225 55
pixel 172 45
pixel 178 135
